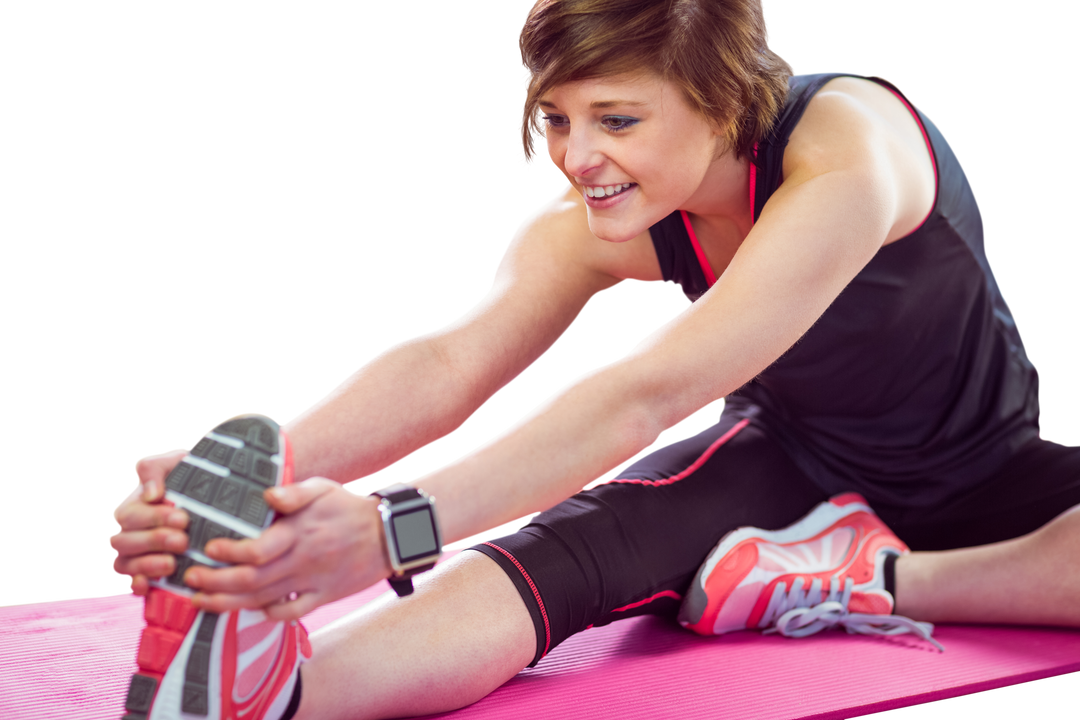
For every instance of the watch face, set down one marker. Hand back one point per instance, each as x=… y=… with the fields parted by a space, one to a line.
x=414 y=534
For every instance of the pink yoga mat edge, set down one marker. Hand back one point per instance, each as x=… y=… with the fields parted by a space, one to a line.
x=943 y=694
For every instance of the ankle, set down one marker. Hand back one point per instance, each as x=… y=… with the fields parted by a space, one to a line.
x=889 y=571
x=294 y=703
x=910 y=580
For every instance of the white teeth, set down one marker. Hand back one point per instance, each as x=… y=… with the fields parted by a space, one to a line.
x=606 y=190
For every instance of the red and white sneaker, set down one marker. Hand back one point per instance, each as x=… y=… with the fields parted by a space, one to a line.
x=826 y=570
x=237 y=665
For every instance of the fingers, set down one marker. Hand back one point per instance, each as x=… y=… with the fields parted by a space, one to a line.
x=290 y=498
x=277 y=609
x=276 y=602
x=272 y=595
x=131 y=497
x=248 y=559
x=146 y=551
x=150 y=566
x=275 y=541
x=149 y=530
x=153 y=471
x=153 y=566
x=240 y=579
x=136 y=514
x=293 y=609
x=140 y=585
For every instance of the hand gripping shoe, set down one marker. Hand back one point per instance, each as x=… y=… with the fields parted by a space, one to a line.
x=826 y=570
x=237 y=665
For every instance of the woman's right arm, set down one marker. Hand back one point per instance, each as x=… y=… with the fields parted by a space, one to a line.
x=423 y=389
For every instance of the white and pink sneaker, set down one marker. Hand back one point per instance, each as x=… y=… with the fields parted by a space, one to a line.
x=825 y=571
x=238 y=665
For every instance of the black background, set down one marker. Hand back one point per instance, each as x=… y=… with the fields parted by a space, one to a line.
x=232 y=214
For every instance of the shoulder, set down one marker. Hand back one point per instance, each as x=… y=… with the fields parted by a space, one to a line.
x=560 y=232
x=841 y=122
x=863 y=128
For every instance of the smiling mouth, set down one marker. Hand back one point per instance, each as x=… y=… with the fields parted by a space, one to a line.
x=602 y=191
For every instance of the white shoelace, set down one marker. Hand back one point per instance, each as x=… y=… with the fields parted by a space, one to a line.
x=792 y=614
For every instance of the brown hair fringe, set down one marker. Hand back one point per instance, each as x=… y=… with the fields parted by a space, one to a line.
x=715 y=50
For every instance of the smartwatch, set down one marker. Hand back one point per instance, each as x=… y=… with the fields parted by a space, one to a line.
x=412 y=533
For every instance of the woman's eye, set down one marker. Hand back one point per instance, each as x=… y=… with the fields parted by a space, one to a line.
x=615 y=123
x=556 y=121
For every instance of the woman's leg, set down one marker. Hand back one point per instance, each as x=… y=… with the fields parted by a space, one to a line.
x=622 y=549
x=464 y=632
x=1005 y=552
x=1030 y=580
x=626 y=547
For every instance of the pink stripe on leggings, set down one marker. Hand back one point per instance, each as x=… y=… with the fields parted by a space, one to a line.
x=662 y=594
x=693 y=466
x=536 y=594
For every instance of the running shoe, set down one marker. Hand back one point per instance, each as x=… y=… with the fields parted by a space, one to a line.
x=825 y=571
x=237 y=665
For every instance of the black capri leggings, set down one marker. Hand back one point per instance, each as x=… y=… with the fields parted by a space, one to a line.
x=631 y=546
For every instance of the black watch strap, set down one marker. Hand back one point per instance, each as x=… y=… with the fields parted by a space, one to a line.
x=403 y=583
x=397 y=493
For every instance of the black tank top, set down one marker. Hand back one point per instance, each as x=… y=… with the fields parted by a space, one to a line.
x=914 y=385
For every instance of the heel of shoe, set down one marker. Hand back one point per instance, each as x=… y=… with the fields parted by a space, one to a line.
x=169 y=617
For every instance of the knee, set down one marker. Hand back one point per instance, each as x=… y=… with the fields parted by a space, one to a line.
x=1064 y=529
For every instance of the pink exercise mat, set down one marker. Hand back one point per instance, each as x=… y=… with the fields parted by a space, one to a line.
x=74 y=659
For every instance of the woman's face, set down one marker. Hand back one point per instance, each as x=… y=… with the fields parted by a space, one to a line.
x=632 y=146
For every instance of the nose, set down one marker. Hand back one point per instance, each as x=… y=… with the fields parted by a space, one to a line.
x=583 y=154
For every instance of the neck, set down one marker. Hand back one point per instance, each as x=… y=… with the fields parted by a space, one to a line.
x=723 y=198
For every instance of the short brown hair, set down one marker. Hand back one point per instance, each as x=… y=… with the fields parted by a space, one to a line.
x=714 y=50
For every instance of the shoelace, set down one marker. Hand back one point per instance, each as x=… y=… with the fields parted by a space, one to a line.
x=791 y=613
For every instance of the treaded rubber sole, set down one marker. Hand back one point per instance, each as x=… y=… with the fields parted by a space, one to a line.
x=220 y=484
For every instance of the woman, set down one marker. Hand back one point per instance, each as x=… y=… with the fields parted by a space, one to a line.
x=844 y=308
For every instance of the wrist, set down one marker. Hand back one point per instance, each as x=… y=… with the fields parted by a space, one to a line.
x=411 y=536
x=375 y=533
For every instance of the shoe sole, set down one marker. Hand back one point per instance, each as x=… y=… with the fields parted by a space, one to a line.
x=220 y=484
x=820 y=518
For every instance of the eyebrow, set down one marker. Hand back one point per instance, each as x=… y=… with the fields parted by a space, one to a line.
x=598 y=104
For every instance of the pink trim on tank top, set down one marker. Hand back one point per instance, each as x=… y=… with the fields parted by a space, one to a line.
x=535 y=592
x=753 y=185
x=710 y=276
x=929 y=150
x=693 y=466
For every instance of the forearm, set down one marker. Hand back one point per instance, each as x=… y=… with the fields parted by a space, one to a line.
x=588 y=430
x=399 y=402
